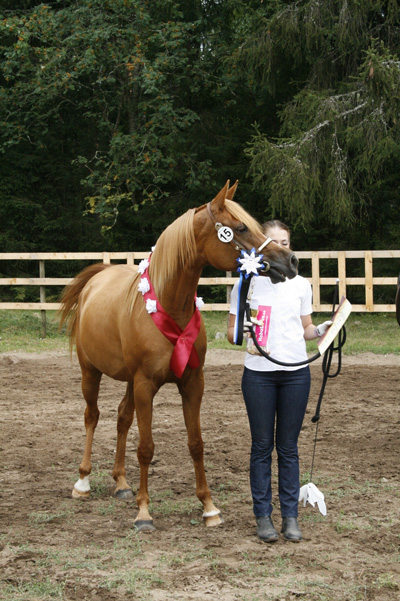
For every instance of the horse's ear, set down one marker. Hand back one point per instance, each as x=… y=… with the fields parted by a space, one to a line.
x=219 y=201
x=231 y=192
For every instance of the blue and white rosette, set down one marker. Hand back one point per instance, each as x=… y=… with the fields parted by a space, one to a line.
x=249 y=264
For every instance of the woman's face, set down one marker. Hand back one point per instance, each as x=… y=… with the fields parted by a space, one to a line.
x=279 y=236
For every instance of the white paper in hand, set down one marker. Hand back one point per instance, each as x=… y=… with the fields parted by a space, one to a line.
x=309 y=492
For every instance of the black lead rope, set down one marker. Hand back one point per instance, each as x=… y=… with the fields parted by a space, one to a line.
x=264 y=354
x=326 y=362
x=326 y=369
x=327 y=359
x=245 y=305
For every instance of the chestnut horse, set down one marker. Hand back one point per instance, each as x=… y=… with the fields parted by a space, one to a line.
x=115 y=332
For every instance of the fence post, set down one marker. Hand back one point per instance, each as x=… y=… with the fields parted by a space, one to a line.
x=369 y=282
x=342 y=274
x=315 y=280
x=42 y=298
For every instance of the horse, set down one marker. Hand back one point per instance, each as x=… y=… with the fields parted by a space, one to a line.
x=397 y=301
x=111 y=310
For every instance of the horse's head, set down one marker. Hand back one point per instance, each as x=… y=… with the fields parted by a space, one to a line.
x=223 y=229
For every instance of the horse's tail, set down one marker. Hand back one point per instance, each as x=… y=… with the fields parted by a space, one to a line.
x=70 y=299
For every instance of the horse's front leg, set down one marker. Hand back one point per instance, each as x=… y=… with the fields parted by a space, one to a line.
x=144 y=392
x=125 y=419
x=191 y=389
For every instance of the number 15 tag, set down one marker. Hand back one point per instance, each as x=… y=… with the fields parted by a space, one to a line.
x=225 y=234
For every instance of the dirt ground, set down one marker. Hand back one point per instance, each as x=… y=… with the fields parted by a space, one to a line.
x=89 y=550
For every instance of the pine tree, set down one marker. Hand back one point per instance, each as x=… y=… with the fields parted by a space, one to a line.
x=333 y=165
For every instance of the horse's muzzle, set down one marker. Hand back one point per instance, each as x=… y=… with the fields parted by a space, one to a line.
x=294 y=262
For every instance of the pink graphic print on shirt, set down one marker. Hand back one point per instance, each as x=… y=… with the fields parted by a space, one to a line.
x=264 y=315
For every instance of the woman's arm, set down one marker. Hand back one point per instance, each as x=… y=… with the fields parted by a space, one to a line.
x=310 y=331
x=231 y=327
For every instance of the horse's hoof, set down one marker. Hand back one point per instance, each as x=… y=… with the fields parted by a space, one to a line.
x=144 y=525
x=125 y=493
x=215 y=520
x=77 y=494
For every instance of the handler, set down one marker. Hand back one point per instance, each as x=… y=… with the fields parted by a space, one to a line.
x=274 y=393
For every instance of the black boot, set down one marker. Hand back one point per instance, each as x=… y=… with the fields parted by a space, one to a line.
x=291 y=530
x=265 y=529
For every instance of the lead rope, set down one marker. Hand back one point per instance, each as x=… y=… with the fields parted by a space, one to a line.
x=326 y=368
x=327 y=359
x=244 y=304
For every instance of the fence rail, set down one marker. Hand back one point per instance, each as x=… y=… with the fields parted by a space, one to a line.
x=367 y=281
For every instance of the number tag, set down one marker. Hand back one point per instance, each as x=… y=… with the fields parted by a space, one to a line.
x=225 y=234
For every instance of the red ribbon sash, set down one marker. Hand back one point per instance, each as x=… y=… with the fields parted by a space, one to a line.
x=184 y=352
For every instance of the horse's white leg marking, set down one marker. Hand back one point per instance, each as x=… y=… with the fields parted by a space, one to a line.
x=81 y=488
x=211 y=514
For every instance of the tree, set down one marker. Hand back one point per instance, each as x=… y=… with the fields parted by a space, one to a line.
x=105 y=85
x=132 y=111
x=332 y=166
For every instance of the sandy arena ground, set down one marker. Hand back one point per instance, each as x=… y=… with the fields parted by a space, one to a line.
x=46 y=536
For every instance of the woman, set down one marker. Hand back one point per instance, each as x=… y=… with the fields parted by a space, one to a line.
x=277 y=394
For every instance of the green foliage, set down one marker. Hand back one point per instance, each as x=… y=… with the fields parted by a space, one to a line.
x=112 y=88
x=339 y=135
x=119 y=115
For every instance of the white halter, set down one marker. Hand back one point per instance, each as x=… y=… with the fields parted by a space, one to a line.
x=264 y=244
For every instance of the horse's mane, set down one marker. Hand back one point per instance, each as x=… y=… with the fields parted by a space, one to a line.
x=240 y=214
x=176 y=247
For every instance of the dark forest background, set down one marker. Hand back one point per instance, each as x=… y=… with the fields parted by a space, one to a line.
x=118 y=115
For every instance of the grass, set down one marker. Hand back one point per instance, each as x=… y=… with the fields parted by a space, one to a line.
x=135 y=581
x=126 y=569
x=35 y=590
x=386 y=581
x=166 y=502
x=366 y=332
x=21 y=331
x=344 y=525
x=37 y=518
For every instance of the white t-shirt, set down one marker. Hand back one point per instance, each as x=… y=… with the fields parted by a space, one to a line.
x=286 y=301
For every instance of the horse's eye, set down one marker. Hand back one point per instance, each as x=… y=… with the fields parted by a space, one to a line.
x=241 y=229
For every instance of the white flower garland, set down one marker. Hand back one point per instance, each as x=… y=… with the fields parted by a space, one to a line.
x=151 y=306
x=144 y=287
x=199 y=303
x=143 y=265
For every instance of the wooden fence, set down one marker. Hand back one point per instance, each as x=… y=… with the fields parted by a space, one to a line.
x=314 y=259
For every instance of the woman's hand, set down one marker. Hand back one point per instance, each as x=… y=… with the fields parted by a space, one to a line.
x=322 y=327
x=310 y=330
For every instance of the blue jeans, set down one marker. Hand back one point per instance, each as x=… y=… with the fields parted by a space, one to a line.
x=283 y=394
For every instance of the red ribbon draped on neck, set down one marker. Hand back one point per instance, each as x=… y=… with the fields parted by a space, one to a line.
x=184 y=352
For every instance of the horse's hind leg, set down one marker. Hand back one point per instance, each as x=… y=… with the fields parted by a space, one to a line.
x=90 y=388
x=125 y=419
